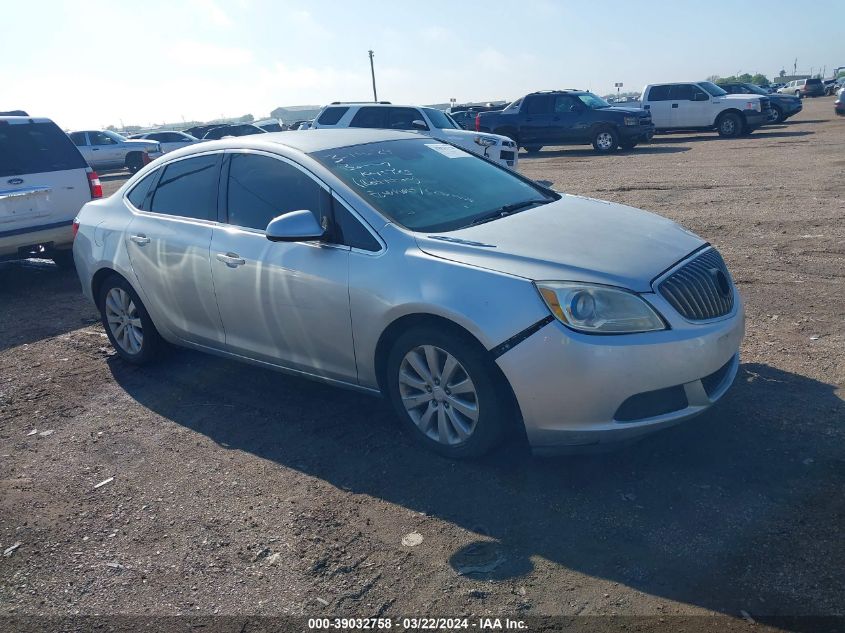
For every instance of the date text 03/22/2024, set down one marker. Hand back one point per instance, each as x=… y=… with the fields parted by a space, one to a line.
x=417 y=624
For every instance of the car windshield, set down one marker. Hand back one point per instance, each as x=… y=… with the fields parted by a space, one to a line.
x=592 y=101
x=428 y=186
x=115 y=136
x=439 y=119
x=712 y=88
x=756 y=89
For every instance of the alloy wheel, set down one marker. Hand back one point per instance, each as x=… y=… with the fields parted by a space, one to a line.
x=438 y=394
x=124 y=321
x=604 y=140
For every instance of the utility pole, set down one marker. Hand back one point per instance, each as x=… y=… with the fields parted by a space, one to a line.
x=795 y=67
x=373 y=73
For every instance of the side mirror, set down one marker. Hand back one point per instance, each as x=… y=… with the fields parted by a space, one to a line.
x=296 y=226
x=419 y=124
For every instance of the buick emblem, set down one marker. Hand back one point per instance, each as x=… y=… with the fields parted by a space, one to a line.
x=15 y=181
x=721 y=281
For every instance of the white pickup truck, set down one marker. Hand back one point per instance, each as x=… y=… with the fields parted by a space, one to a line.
x=702 y=105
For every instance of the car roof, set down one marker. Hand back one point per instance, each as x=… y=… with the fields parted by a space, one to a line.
x=19 y=120
x=306 y=141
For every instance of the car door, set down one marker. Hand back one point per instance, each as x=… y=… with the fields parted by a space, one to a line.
x=285 y=303
x=536 y=124
x=80 y=139
x=570 y=121
x=690 y=106
x=106 y=151
x=657 y=103
x=168 y=241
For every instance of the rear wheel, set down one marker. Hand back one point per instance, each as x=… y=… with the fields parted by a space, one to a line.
x=606 y=140
x=127 y=322
x=134 y=161
x=626 y=145
x=447 y=392
x=729 y=125
x=63 y=259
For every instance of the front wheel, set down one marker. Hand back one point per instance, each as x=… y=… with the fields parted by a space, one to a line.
x=777 y=115
x=729 y=125
x=605 y=140
x=446 y=392
x=127 y=322
x=798 y=93
x=533 y=149
x=134 y=162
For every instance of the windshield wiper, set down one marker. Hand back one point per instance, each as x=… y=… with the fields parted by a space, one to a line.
x=507 y=210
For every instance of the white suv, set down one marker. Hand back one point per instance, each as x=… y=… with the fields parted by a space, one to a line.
x=428 y=121
x=44 y=181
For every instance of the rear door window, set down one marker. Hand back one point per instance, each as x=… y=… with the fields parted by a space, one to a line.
x=78 y=139
x=188 y=188
x=370 y=118
x=538 y=104
x=33 y=148
x=659 y=93
x=331 y=116
x=681 y=92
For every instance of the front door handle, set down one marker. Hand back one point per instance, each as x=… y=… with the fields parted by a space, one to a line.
x=140 y=239
x=232 y=260
x=674 y=105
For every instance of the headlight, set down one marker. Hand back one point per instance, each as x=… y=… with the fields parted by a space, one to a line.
x=486 y=141
x=599 y=309
x=632 y=120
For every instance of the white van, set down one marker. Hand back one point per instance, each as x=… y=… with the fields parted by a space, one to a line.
x=44 y=181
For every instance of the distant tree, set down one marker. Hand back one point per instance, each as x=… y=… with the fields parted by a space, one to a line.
x=714 y=79
x=247 y=118
x=760 y=79
x=782 y=73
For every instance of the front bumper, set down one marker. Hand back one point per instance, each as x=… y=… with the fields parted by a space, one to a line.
x=505 y=153
x=578 y=390
x=636 y=133
x=754 y=119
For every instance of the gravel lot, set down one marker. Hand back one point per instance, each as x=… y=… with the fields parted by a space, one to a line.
x=233 y=490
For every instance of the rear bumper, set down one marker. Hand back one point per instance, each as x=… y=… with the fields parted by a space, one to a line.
x=580 y=390
x=56 y=236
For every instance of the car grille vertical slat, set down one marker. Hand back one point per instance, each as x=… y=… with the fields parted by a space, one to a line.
x=701 y=289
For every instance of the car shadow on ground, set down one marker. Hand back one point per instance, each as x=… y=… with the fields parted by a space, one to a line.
x=761 y=133
x=640 y=149
x=25 y=321
x=740 y=509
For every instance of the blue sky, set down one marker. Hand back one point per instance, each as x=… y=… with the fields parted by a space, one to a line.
x=99 y=62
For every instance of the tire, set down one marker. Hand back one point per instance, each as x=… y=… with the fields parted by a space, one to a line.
x=120 y=305
x=134 y=162
x=435 y=416
x=798 y=93
x=777 y=115
x=63 y=259
x=605 y=140
x=627 y=145
x=533 y=149
x=729 y=125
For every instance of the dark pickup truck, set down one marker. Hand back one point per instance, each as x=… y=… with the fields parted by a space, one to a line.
x=568 y=117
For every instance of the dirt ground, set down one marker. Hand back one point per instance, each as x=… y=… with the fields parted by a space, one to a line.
x=238 y=491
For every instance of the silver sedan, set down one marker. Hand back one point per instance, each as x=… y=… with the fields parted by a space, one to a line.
x=477 y=301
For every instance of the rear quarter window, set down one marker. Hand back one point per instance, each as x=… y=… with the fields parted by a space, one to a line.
x=331 y=116
x=35 y=148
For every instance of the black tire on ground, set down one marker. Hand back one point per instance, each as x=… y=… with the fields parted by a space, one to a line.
x=729 y=125
x=605 y=140
x=626 y=145
x=134 y=161
x=151 y=344
x=533 y=149
x=798 y=93
x=493 y=402
x=777 y=113
x=63 y=259
x=747 y=130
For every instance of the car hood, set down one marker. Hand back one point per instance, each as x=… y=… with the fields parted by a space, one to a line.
x=742 y=97
x=571 y=239
x=141 y=143
x=625 y=110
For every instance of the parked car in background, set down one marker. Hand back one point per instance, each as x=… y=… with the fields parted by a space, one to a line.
x=44 y=181
x=104 y=149
x=783 y=106
x=199 y=131
x=703 y=105
x=477 y=301
x=464 y=118
x=839 y=104
x=801 y=88
x=271 y=125
x=303 y=125
x=568 y=117
x=169 y=140
x=429 y=122
x=237 y=129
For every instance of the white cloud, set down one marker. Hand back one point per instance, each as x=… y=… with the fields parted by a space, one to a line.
x=212 y=11
x=194 y=53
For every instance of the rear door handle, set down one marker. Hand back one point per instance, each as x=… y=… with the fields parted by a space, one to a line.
x=231 y=259
x=140 y=239
x=674 y=105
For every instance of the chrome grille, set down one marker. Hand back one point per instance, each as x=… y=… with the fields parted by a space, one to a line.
x=701 y=289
